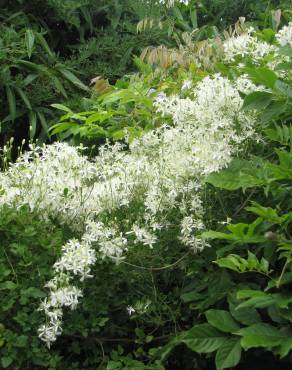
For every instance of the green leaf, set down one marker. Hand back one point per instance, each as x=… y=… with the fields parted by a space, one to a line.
x=11 y=102
x=6 y=361
x=286 y=66
x=263 y=76
x=10 y=285
x=204 y=338
x=58 y=85
x=257 y=100
x=283 y=88
x=32 y=124
x=246 y=316
x=229 y=354
x=222 y=320
x=43 y=122
x=285 y=347
x=29 y=41
x=281 y=134
x=72 y=78
x=267 y=213
x=230 y=262
x=21 y=341
x=255 y=299
x=62 y=107
x=191 y=296
x=64 y=126
x=273 y=111
x=239 y=174
x=24 y=97
x=41 y=40
x=285 y=50
x=262 y=335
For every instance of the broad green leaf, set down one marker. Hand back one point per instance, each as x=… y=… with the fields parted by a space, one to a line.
x=98 y=117
x=285 y=50
x=239 y=174
x=230 y=262
x=191 y=296
x=217 y=235
x=246 y=316
x=229 y=354
x=263 y=76
x=29 y=41
x=286 y=66
x=10 y=285
x=62 y=127
x=273 y=111
x=285 y=347
x=283 y=88
x=222 y=320
x=267 y=213
x=257 y=100
x=6 y=361
x=204 y=338
x=262 y=335
x=255 y=299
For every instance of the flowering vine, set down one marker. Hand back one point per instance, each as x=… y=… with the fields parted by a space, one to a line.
x=127 y=198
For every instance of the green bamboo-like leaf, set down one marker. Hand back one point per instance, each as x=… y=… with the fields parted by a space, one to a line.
x=222 y=320
x=62 y=107
x=11 y=102
x=29 y=41
x=58 y=85
x=32 y=124
x=40 y=68
x=229 y=354
x=72 y=78
x=24 y=97
x=42 y=41
x=43 y=122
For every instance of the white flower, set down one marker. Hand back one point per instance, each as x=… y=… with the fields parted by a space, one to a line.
x=284 y=36
x=130 y=310
x=187 y=84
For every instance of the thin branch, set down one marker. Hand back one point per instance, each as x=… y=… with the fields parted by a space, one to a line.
x=157 y=268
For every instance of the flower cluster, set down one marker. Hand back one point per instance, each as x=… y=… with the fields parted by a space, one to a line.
x=127 y=199
x=171 y=3
x=246 y=45
x=284 y=36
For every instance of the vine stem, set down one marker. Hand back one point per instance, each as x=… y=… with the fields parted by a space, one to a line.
x=283 y=271
x=157 y=268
